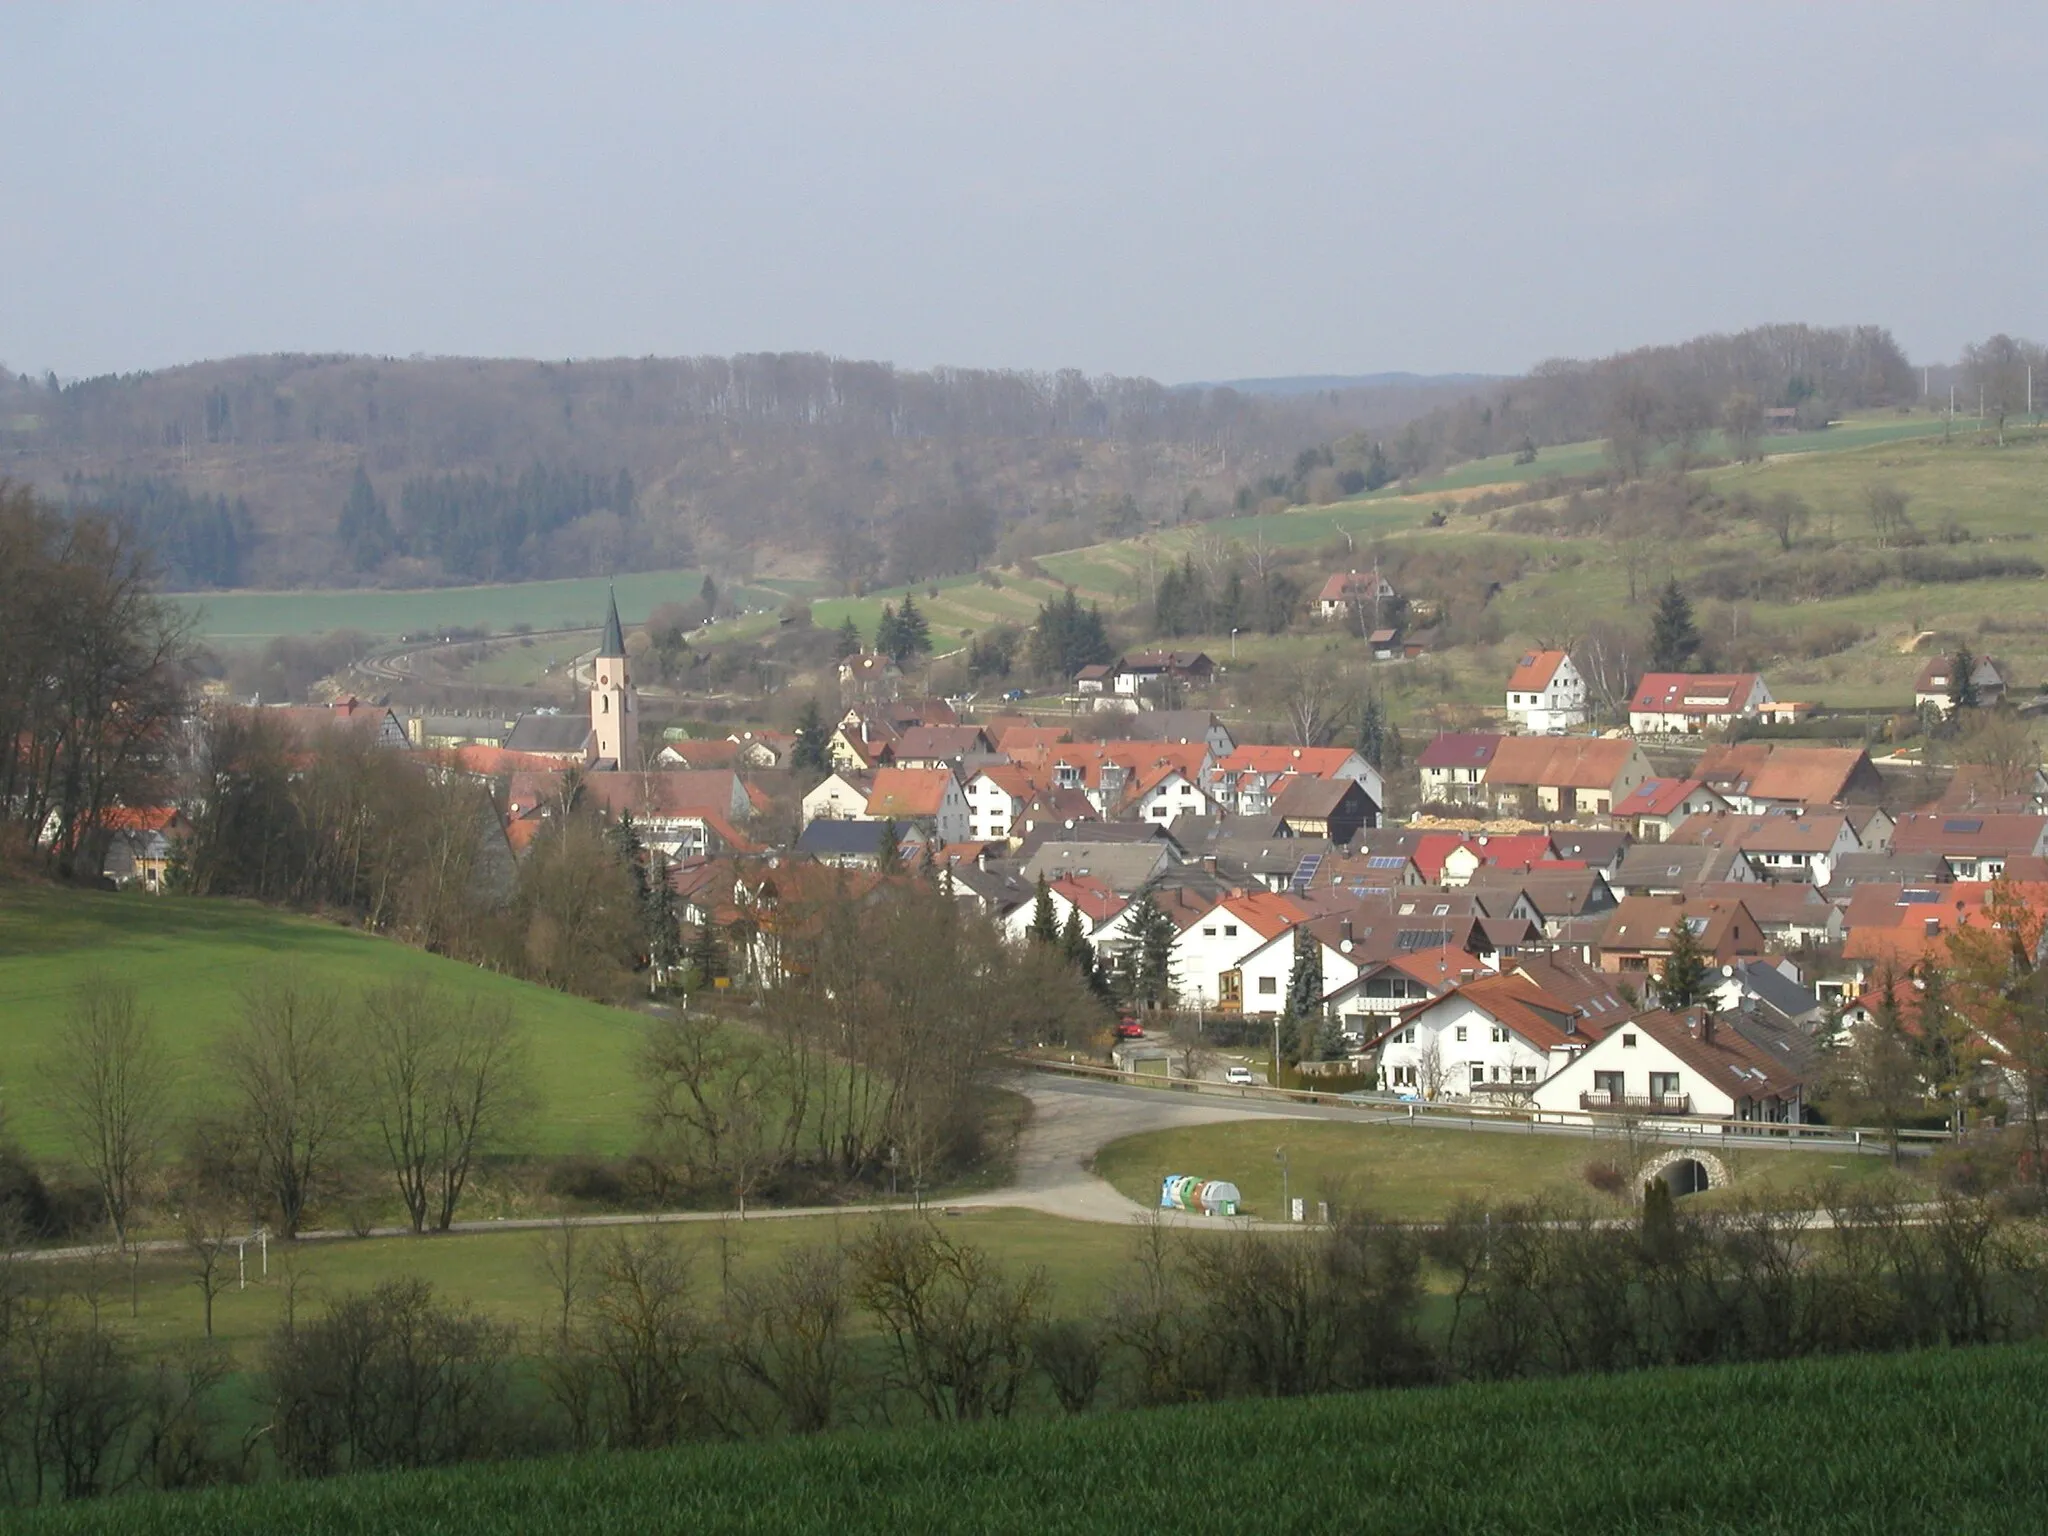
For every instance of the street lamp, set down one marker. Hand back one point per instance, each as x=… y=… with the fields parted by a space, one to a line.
x=1233 y=645
x=1286 y=1205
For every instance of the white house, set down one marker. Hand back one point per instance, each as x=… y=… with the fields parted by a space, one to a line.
x=1166 y=794
x=1656 y=808
x=1209 y=954
x=1546 y=694
x=1098 y=905
x=1684 y=1064
x=1493 y=1036
x=1352 y=591
x=996 y=797
x=1686 y=703
x=1246 y=780
x=841 y=796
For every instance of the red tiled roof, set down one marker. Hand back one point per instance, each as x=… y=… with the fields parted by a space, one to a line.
x=1454 y=749
x=1667 y=693
x=1534 y=671
x=908 y=792
x=1658 y=797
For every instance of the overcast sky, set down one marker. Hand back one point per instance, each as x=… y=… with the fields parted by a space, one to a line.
x=1186 y=191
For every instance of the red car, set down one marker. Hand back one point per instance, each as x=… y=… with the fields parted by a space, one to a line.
x=1129 y=1029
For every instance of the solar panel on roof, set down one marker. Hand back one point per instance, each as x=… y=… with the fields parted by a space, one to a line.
x=1918 y=897
x=1385 y=861
x=1963 y=824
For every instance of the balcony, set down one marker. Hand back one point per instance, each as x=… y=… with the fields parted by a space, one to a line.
x=1619 y=1104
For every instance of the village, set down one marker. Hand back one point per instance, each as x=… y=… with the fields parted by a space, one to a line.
x=1558 y=927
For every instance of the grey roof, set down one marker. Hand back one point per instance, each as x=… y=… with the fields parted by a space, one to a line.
x=827 y=838
x=614 y=642
x=1671 y=866
x=1779 y=991
x=1123 y=867
x=1594 y=846
x=1249 y=852
x=1854 y=869
x=1789 y=1046
x=489 y=729
x=1175 y=725
x=548 y=733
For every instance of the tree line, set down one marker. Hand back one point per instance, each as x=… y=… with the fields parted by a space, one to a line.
x=197 y=540
x=642 y=1347
x=487 y=527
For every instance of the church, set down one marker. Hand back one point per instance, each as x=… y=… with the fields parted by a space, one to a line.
x=610 y=738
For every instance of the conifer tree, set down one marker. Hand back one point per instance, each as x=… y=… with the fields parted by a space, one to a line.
x=1074 y=943
x=889 y=848
x=849 y=642
x=1674 y=639
x=913 y=633
x=1305 y=980
x=1149 y=968
x=888 y=636
x=1962 y=683
x=661 y=920
x=811 y=754
x=1372 y=732
x=1045 y=927
x=706 y=957
x=1684 y=980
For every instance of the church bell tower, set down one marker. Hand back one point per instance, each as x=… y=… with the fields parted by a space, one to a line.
x=614 y=712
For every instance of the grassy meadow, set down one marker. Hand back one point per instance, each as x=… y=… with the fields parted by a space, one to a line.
x=1945 y=1441
x=1420 y=1173
x=190 y=958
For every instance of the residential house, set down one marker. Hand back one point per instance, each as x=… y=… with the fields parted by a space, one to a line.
x=1211 y=950
x=1686 y=703
x=1781 y=846
x=841 y=795
x=1656 y=808
x=682 y=814
x=1351 y=593
x=853 y=844
x=1679 y=1064
x=1935 y=687
x=1667 y=869
x=1549 y=895
x=1334 y=810
x=939 y=746
x=1506 y=851
x=714 y=752
x=142 y=842
x=434 y=731
x=1148 y=670
x=1125 y=868
x=2015 y=786
x=1546 y=694
x=929 y=797
x=350 y=714
x=1491 y=1037
x=865 y=675
x=1756 y=776
x=1885 y=867
x=1600 y=848
x=1792 y=915
x=1380 y=990
x=996 y=796
x=1973 y=847
x=1096 y=677
x=1248 y=780
x=1638 y=938
x=1454 y=768
x=1185 y=727
x=763 y=749
x=1760 y=988
x=1094 y=900
x=1565 y=775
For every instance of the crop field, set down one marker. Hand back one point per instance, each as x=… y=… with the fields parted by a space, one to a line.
x=251 y=618
x=189 y=958
x=1945 y=1441
x=1418 y=1174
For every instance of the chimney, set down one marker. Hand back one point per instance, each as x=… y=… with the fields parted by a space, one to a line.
x=1209 y=863
x=1347 y=930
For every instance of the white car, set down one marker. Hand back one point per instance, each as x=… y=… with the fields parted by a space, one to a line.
x=1240 y=1076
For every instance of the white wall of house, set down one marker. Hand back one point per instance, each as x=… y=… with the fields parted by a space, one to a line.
x=1636 y=1058
x=1679 y=722
x=1170 y=799
x=1454 y=786
x=1219 y=942
x=1454 y=1049
x=1554 y=710
x=992 y=811
x=834 y=800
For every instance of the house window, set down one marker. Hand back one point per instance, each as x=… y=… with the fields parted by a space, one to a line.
x=1500 y=1034
x=1401 y=1077
x=1230 y=930
x=1209 y=932
x=1663 y=1085
x=1608 y=1085
x=1461 y=1033
x=1478 y=1074
x=1268 y=985
x=1628 y=1042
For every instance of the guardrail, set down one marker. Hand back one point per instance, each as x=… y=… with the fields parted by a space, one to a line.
x=1471 y=1116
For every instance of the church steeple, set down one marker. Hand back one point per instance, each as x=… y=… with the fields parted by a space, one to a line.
x=614 y=711
x=614 y=643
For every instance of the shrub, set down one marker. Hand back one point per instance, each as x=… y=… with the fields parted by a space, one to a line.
x=1605 y=1175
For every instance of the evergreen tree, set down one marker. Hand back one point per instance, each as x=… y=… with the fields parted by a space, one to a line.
x=1045 y=927
x=889 y=848
x=1685 y=977
x=706 y=958
x=1330 y=1039
x=1674 y=639
x=1962 y=683
x=1067 y=638
x=1305 y=981
x=848 y=643
x=1372 y=732
x=1943 y=1042
x=662 y=920
x=708 y=594
x=888 y=635
x=1075 y=946
x=812 y=752
x=365 y=529
x=913 y=633
x=1659 y=1234
x=1149 y=964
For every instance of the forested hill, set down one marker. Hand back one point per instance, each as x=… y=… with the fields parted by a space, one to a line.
x=294 y=470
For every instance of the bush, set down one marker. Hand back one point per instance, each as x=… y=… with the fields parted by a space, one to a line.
x=1605 y=1175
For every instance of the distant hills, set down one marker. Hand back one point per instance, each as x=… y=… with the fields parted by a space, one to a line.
x=1322 y=383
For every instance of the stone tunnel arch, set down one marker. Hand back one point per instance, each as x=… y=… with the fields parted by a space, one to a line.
x=1688 y=1170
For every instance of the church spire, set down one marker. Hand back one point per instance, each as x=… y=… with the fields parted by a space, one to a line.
x=614 y=643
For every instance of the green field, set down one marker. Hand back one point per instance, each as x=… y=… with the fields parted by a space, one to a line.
x=500 y=1273
x=246 y=618
x=1946 y=1442
x=189 y=958
x=1418 y=1174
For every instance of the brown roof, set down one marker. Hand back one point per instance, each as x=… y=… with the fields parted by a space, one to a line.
x=1644 y=923
x=908 y=792
x=1802 y=775
x=1762 y=834
x=1719 y=1053
x=1569 y=762
x=1535 y=670
x=1974 y=833
x=1311 y=799
x=926 y=743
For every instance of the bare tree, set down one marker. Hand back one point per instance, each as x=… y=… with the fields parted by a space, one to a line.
x=1784 y=515
x=718 y=1100
x=788 y=1336
x=2005 y=749
x=1885 y=505
x=110 y=1083
x=297 y=1087
x=209 y=1227
x=446 y=1079
x=1742 y=425
x=1313 y=694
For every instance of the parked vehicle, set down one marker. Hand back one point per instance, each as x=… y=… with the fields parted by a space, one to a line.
x=1240 y=1076
x=1129 y=1029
